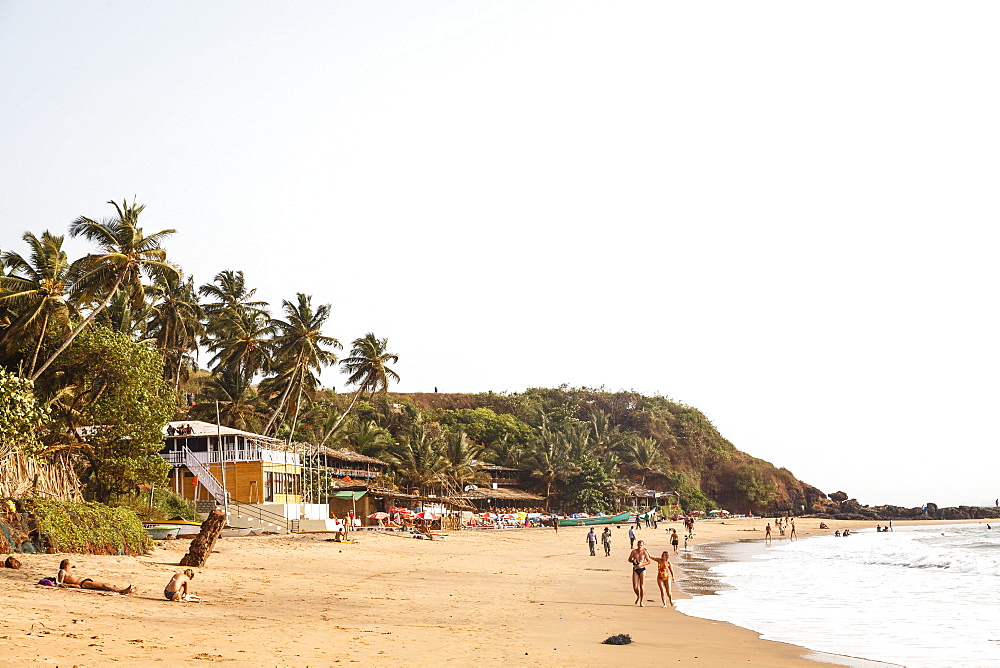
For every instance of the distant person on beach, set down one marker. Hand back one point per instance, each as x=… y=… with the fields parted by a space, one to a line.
x=639 y=559
x=638 y=521
x=664 y=574
x=837 y=533
x=791 y=534
x=767 y=533
x=592 y=542
x=606 y=541
x=674 y=540
x=177 y=588
x=67 y=578
x=631 y=538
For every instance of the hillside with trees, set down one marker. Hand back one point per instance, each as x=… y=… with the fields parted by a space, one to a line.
x=100 y=351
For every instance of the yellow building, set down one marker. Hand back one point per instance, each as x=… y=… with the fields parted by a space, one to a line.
x=208 y=459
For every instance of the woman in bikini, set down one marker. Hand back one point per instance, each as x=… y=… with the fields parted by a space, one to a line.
x=664 y=573
x=639 y=559
x=177 y=588
x=67 y=578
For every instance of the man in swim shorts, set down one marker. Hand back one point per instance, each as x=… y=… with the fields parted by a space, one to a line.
x=639 y=559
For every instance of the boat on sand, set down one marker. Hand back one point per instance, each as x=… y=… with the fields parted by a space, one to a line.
x=621 y=518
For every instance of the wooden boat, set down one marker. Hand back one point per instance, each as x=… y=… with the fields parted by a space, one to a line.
x=621 y=518
x=161 y=531
x=234 y=532
x=185 y=529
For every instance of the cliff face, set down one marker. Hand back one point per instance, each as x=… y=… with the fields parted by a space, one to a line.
x=708 y=470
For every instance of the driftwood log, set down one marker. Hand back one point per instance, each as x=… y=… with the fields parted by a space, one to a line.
x=204 y=542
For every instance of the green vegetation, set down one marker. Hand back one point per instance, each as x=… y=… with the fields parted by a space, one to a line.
x=111 y=340
x=86 y=528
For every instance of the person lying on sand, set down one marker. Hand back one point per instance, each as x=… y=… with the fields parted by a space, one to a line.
x=177 y=588
x=67 y=578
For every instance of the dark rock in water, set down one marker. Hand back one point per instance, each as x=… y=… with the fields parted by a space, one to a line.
x=11 y=562
x=620 y=639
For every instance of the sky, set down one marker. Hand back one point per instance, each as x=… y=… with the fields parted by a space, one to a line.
x=782 y=213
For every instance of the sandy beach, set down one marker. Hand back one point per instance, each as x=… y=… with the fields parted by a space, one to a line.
x=525 y=597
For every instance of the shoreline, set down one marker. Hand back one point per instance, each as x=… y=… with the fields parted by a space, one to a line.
x=524 y=597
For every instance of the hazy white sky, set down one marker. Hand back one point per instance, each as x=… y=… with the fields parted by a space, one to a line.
x=781 y=213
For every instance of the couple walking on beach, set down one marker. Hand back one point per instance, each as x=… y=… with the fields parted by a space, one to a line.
x=605 y=541
x=640 y=558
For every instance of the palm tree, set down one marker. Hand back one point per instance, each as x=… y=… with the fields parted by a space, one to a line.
x=37 y=288
x=462 y=455
x=367 y=438
x=298 y=348
x=644 y=456
x=506 y=452
x=418 y=458
x=549 y=459
x=229 y=291
x=368 y=367
x=240 y=339
x=176 y=325
x=124 y=254
x=236 y=400
x=124 y=316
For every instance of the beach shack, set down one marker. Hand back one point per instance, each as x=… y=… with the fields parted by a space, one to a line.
x=501 y=498
x=208 y=458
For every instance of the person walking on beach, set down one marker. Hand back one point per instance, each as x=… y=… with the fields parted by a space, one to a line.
x=638 y=521
x=639 y=559
x=791 y=533
x=606 y=541
x=631 y=538
x=767 y=533
x=592 y=542
x=674 y=540
x=664 y=574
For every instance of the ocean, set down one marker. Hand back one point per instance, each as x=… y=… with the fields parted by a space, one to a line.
x=916 y=596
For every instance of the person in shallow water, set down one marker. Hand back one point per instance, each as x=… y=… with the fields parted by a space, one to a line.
x=639 y=559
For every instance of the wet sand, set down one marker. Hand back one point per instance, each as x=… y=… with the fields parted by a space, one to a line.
x=524 y=597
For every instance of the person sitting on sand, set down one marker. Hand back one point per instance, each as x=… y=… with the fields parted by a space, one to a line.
x=664 y=573
x=837 y=533
x=639 y=559
x=67 y=578
x=177 y=588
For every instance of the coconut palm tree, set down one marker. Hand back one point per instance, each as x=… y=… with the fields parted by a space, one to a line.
x=368 y=367
x=124 y=254
x=418 y=459
x=36 y=289
x=643 y=455
x=298 y=349
x=462 y=455
x=237 y=401
x=229 y=291
x=367 y=438
x=176 y=325
x=549 y=461
x=240 y=339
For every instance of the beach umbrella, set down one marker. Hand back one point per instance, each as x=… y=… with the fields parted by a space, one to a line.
x=486 y=515
x=508 y=516
x=379 y=516
x=696 y=512
x=426 y=516
x=399 y=510
x=713 y=512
